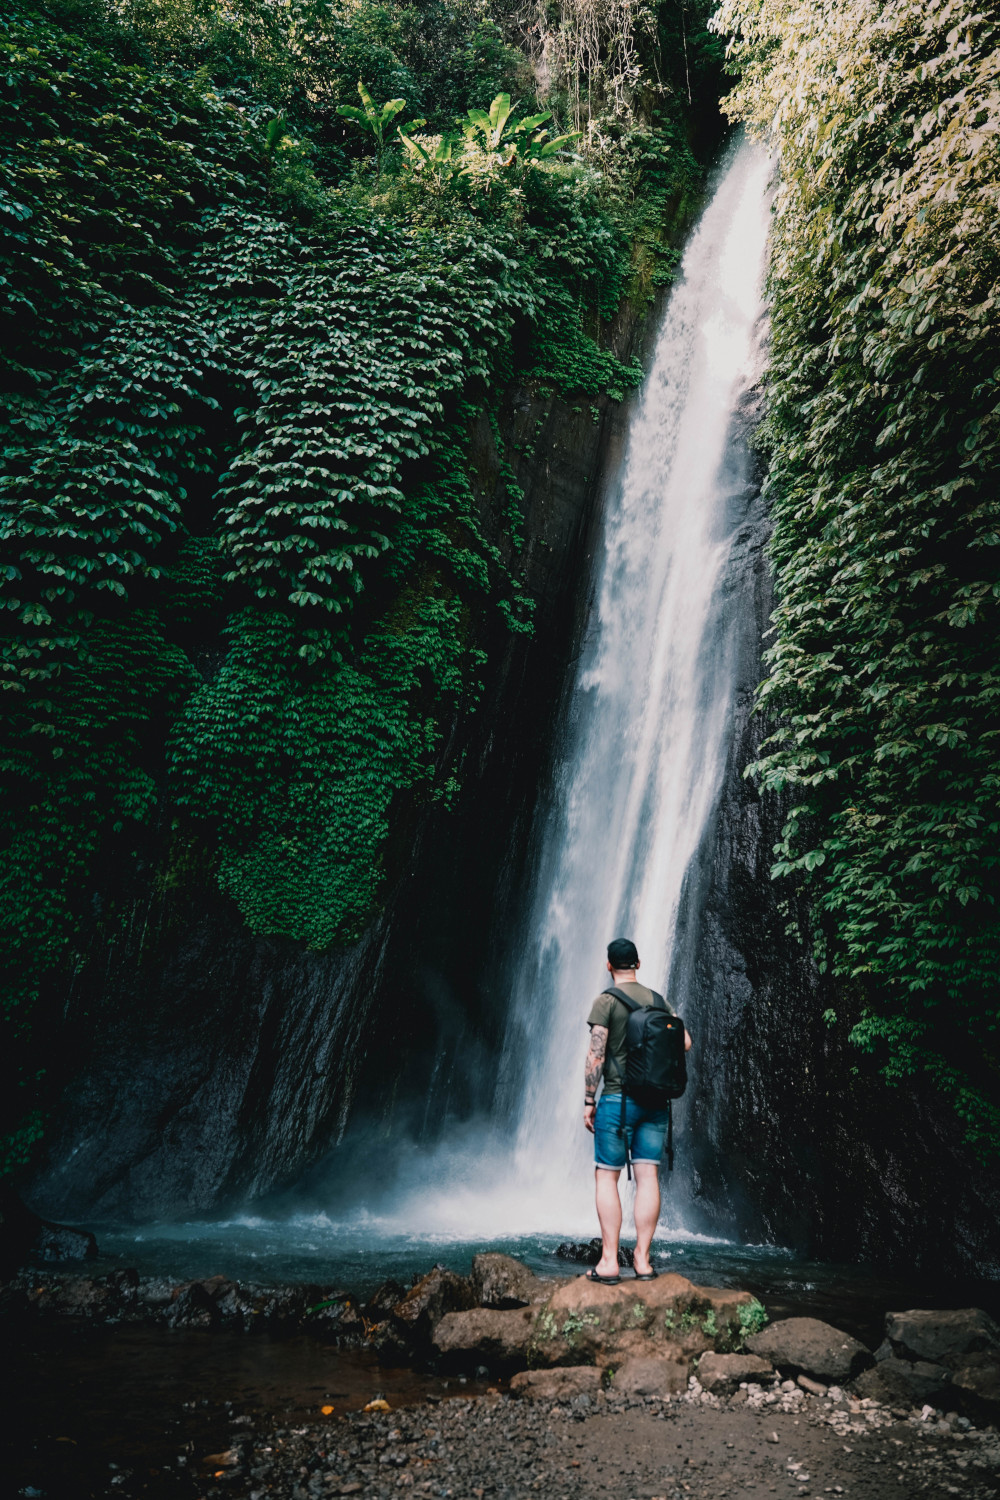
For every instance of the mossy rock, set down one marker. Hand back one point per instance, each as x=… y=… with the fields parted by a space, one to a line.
x=586 y=1323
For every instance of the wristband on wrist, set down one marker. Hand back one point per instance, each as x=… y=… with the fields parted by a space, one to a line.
x=589 y=1099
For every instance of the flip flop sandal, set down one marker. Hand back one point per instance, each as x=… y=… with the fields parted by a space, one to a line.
x=604 y=1280
x=646 y=1275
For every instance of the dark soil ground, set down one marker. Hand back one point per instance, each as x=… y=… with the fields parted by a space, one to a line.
x=159 y=1414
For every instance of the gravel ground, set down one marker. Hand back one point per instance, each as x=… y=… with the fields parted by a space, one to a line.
x=497 y=1447
x=154 y=1414
x=681 y=1449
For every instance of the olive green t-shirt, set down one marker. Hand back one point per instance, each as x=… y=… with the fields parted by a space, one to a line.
x=609 y=1012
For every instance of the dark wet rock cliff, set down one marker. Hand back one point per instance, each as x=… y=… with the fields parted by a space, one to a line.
x=794 y=1137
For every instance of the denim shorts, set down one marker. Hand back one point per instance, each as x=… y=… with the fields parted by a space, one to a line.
x=645 y=1129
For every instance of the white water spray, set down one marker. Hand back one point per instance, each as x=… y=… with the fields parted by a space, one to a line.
x=642 y=751
x=648 y=729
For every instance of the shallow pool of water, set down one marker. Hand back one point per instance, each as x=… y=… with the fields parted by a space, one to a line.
x=143 y=1407
x=358 y=1256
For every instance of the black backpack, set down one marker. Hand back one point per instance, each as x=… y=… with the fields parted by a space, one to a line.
x=655 y=1062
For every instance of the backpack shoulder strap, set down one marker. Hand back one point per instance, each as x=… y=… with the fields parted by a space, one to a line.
x=626 y=1000
x=658 y=1001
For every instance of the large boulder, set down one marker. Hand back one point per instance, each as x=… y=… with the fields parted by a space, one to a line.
x=650 y=1377
x=724 y=1373
x=55 y=1244
x=811 y=1346
x=438 y=1293
x=900 y=1382
x=943 y=1337
x=557 y=1385
x=501 y=1281
x=495 y=1337
x=25 y=1237
x=406 y=1333
x=584 y=1322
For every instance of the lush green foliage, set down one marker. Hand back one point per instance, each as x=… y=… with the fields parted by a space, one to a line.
x=884 y=479
x=245 y=583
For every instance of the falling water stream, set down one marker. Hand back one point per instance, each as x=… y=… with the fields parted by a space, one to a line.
x=649 y=719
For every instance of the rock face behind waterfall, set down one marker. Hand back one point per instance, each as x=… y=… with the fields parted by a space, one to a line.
x=789 y=1135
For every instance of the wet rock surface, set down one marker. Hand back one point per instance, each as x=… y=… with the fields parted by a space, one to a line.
x=502 y=1282
x=214 y=1302
x=496 y=1338
x=933 y=1355
x=896 y=1380
x=943 y=1337
x=814 y=1347
x=979 y=1378
x=437 y=1293
x=24 y=1236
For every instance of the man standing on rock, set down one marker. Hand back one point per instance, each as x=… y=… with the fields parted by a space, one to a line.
x=644 y=1128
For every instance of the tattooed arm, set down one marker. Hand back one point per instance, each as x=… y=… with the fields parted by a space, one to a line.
x=593 y=1069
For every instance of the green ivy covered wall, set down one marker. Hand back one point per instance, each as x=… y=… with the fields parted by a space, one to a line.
x=247 y=587
x=883 y=444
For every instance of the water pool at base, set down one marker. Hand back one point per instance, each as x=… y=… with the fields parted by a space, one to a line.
x=312 y=1248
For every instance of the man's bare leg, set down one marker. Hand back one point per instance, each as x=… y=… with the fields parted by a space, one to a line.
x=647 y=1211
x=609 y=1214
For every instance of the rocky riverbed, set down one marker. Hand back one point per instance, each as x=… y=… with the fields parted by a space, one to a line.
x=766 y=1438
x=498 y=1383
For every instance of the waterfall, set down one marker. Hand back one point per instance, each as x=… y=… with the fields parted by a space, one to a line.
x=647 y=730
x=649 y=713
